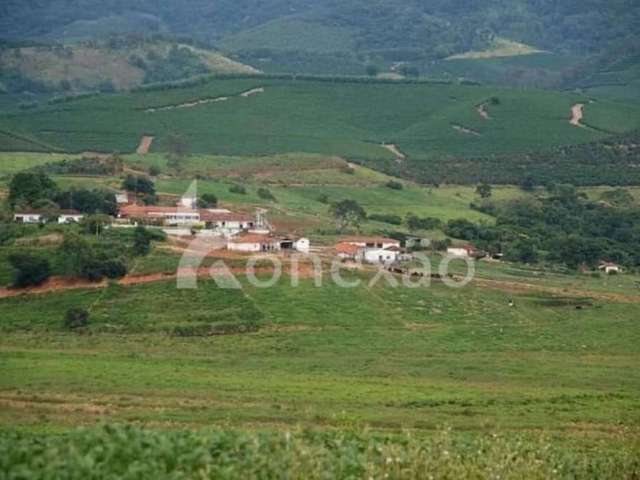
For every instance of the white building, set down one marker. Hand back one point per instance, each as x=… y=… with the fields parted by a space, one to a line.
x=610 y=268
x=252 y=242
x=226 y=222
x=302 y=245
x=385 y=256
x=28 y=217
x=70 y=216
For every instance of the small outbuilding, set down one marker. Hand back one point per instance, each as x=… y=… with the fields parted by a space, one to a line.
x=70 y=216
x=610 y=268
x=28 y=217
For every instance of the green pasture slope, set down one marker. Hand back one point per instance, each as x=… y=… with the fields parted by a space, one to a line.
x=557 y=384
x=388 y=358
x=344 y=118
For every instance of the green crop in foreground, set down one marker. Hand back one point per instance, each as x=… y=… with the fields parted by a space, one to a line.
x=130 y=453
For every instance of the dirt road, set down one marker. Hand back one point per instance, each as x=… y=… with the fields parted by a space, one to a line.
x=145 y=145
x=400 y=157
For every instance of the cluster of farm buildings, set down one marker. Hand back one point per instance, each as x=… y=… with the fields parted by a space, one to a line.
x=252 y=233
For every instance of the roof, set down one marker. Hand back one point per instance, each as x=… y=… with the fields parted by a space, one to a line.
x=253 y=238
x=608 y=264
x=347 y=248
x=70 y=212
x=218 y=216
x=370 y=240
x=142 y=210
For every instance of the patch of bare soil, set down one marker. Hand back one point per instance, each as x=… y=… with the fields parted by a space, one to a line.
x=54 y=284
x=52 y=405
x=483 y=112
x=145 y=145
x=465 y=130
x=518 y=287
x=400 y=157
x=577 y=114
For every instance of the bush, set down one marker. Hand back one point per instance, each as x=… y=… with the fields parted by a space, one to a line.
x=76 y=318
x=139 y=184
x=141 y=241
x=155 y=170
x=393 y=185
x=238 y=189
x=266 y=194
x=208 y=200
x=29 y=270
x=323 y=198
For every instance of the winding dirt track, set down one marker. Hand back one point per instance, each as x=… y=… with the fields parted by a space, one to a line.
x=400 y=157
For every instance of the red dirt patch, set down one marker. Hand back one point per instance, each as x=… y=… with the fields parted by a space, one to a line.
x=145 y=145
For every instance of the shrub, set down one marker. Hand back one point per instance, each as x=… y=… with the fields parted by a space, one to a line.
x=76 y=318
x=393 y=185
x=30 y=270
x=208 y=200
x=266 y=194
x=141 y=241
x=139 y=184
x=155 y=170
x=348 y=212
x=238 y=189
x=323 y=198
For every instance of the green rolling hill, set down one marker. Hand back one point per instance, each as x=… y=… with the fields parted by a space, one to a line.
x=431 y=125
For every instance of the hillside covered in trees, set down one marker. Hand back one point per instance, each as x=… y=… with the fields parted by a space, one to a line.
x=400 y=30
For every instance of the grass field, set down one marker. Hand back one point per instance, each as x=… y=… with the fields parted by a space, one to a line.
x=388 y=358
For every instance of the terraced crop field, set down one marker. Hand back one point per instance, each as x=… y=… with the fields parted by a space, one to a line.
x=337 y=118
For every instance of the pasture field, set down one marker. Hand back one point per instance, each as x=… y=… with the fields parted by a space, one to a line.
x=387 y=358
x=331 y=118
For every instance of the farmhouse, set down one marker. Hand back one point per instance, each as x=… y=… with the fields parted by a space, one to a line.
x=252 y=242
x=384 y=256
x=69 y=216
x=28 y=217
x=375 y=250
x=226 y=222
x=172 y=216
x=610 y=268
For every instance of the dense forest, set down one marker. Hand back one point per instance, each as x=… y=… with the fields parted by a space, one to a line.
x=401 y=28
